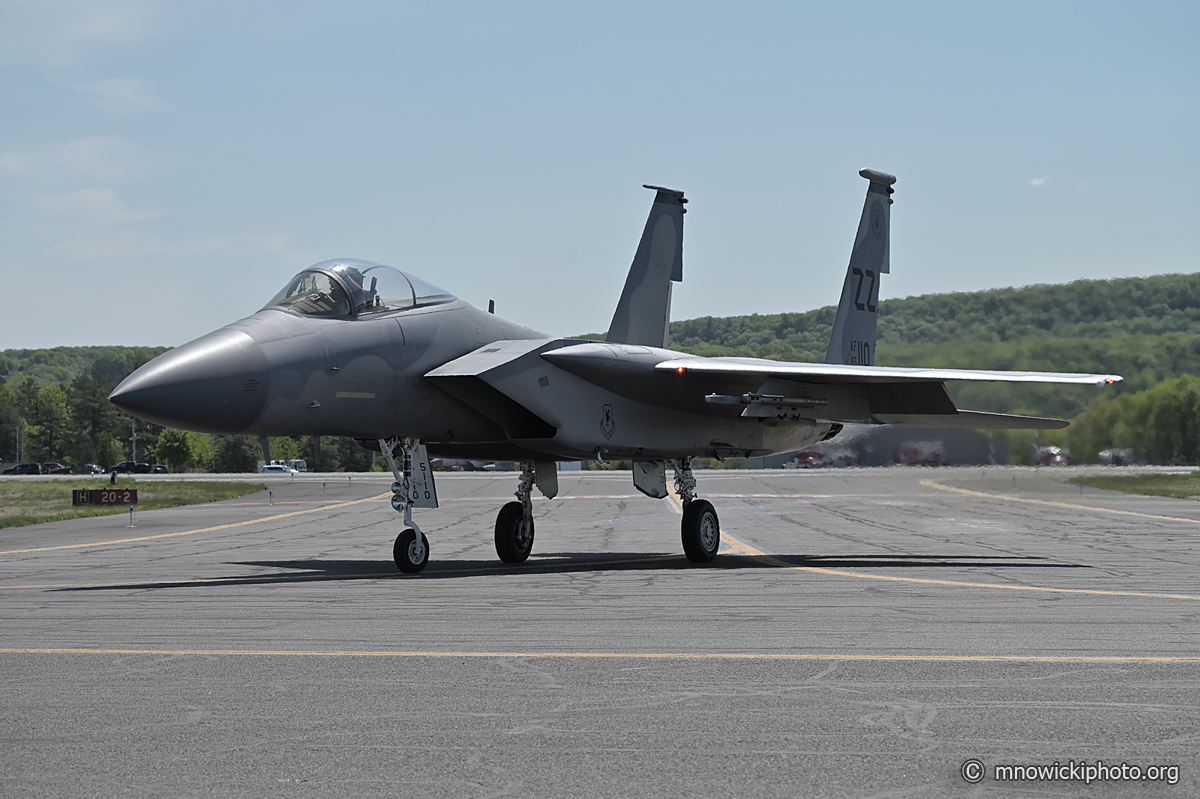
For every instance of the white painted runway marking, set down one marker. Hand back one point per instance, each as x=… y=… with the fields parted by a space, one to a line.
x=613 y=655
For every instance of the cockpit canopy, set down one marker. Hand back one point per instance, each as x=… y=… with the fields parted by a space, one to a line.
x=348 y=286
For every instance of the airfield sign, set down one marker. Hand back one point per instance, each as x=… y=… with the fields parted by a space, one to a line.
x=104 y=496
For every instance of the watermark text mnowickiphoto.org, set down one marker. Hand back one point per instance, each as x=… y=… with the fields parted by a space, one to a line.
x=974 y=771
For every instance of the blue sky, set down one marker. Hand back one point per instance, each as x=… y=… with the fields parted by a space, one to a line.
x=166 y=167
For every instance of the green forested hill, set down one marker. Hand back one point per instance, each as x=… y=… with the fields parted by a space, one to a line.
x=1145 y=329
x=60 y=365
x=1085 y=309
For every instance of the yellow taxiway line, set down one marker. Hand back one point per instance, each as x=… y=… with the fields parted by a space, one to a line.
x=613 y=655
x=738 y=547
x=1053 y=504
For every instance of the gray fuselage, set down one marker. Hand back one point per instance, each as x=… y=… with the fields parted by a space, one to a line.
x=283 y=373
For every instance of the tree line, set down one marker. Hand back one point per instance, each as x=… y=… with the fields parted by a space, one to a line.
x=60 y=365
x=1084 y=309
x=75 y=424
x=1144 y=329
x=1161 y=425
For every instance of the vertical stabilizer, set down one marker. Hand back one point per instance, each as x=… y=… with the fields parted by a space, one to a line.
x=853 y=339
x=644 y=312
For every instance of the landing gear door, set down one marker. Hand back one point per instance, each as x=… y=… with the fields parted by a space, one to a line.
x=650 y=477
x=422 y=478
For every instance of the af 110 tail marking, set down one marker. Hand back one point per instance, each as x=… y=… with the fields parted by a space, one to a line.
x=853 y=338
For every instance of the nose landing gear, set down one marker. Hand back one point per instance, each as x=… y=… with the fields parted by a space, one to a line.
x=411 y=550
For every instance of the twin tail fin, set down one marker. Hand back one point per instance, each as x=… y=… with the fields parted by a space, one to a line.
x=643 y=315
x=853 y=338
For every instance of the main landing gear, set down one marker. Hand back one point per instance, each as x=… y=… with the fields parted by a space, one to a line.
x=701 y=530
x=411 y=550
x=514 y=524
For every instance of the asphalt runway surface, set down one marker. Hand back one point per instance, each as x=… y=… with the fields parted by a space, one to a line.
x=864 y=632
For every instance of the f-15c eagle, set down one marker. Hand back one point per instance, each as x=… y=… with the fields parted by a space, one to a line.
x=355 y=348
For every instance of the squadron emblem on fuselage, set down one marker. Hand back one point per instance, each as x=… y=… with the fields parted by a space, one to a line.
x=608 y=425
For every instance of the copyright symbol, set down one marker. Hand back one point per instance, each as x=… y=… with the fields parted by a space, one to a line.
x=973 y=770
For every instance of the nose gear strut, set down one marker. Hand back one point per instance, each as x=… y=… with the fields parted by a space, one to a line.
x=411 y=550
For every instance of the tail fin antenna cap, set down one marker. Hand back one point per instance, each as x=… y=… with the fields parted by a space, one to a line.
x=875 y=176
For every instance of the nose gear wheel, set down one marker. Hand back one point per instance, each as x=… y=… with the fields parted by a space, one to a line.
x=411 y=551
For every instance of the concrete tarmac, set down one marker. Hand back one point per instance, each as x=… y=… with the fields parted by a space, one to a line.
x=864 y=632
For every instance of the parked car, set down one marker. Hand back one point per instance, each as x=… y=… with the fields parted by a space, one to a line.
x=277 y=468
x=87 y=468
x=24 y=468
x=1052 y=456
x=919 y=453
x=158 y=468
x=55 y=468
x=130 y=467
x=809 y=459
x=1119 y=456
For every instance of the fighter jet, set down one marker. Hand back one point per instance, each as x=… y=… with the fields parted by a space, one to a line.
x=355 y=348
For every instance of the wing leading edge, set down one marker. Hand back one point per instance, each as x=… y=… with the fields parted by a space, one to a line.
x=847 y=373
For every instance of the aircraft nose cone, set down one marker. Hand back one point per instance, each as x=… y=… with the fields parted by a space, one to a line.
x=215 y=384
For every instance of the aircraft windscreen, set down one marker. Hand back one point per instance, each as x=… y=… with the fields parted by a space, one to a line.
x=313 y=293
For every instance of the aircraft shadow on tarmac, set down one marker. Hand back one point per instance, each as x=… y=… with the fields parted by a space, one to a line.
x=317 y=570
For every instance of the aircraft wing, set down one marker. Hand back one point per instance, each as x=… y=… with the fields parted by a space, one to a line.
x=823 y=392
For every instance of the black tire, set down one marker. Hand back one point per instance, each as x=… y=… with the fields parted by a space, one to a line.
x=513 y=541
x=410 y=556
x=701 y=531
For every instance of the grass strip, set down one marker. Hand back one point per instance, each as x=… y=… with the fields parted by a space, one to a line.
x=1181 y=486
x=35 y=501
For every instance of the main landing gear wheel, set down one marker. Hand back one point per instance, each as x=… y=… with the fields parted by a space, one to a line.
x=411 y=551
x=701 y=531
x=514 y=534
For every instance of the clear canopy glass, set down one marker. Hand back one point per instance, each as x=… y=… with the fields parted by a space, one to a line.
x=346 y=286
x=313 y=293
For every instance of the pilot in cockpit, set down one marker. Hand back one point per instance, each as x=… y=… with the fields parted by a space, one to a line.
x=364 y=298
